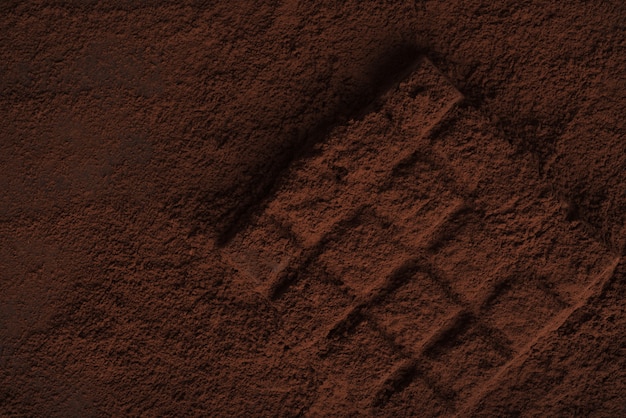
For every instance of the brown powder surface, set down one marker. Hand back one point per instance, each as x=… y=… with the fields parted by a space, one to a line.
x=283 y=208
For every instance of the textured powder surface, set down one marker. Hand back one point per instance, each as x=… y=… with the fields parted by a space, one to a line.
x=283 y=208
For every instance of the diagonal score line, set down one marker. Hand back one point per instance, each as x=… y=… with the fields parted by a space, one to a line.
x=601 y=282
x=234 y=250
